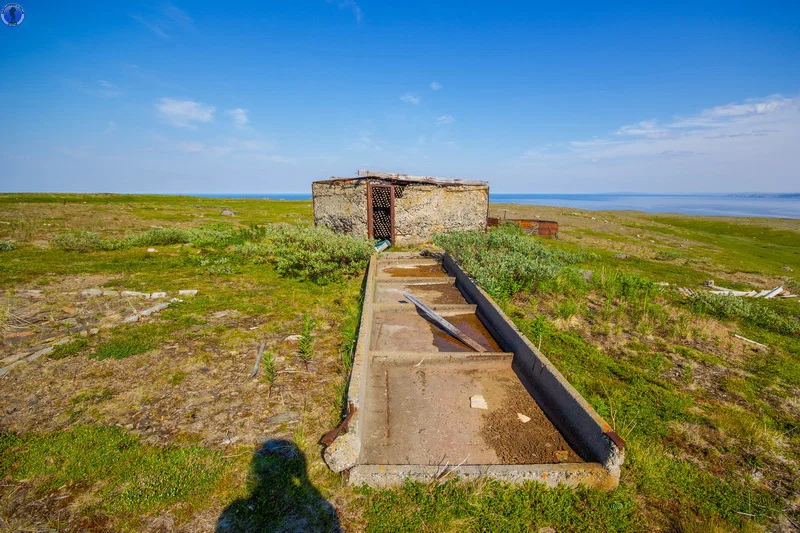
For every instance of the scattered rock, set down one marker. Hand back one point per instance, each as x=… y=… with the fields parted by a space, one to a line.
x=158 y=295
x=522 y=418
x=134 y=293
x=228 y=212
x=151 y=250
x=787 y=268
x=282 y=418
x=91 y=292
x=292 y=338
x=283 y=448
x=187 y=292
x=708 y=283
x=110 y=293
x=478 y=402
x=621 y=256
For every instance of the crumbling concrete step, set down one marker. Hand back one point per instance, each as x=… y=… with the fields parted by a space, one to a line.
x=416 y=261
x=418 y=359
x=442 y=309
x=417 y=281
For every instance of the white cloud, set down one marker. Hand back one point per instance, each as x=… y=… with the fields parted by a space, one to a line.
x=184 y=113
x=445 y=119
x=435 y=85
x=164 y=21
x=740 y=146
x=107 y=85
x=239 y=117
x=410 y=98
x=352 y=6
x=645 y=128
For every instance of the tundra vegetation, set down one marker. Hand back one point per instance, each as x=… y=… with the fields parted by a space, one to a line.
x=157 y=424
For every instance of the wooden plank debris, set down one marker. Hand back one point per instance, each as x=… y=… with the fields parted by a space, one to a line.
x=445 y=325
x=258 y=360
x=750 y=341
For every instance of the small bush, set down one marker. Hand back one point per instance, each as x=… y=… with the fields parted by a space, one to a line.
x=316 y=254
x=735 y=307
x=78 y=241
x=504 y=261
x=6 y=246
x=306 y=344
x=667 y=255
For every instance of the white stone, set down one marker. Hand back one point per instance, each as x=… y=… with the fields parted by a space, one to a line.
x=110 y=293
x=478 y=402
x=151 y=250
x=522 y=418
x=134 y=293
x=91 y=292
x=158 y=295
x=292 y=338
x=187 y=292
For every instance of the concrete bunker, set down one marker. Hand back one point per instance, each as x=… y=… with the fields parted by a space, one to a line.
x=399 y=207
x=411 y=388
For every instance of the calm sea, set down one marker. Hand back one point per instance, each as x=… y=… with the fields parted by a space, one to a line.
x=739 y=205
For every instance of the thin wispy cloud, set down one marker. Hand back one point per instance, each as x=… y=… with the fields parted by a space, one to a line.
x=410 y=98
x=165 y=20
x=435 y=85
x=99 y=88
x=239 y=117
x=350 y=5
x=750 y=140
x=184 y=113
x=445 y=119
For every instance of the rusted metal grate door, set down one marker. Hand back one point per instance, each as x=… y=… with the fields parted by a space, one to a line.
x=380 y=211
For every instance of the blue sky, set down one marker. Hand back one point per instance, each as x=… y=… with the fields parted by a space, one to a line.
x=534 y=97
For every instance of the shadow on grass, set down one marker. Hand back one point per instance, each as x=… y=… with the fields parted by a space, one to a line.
x=281 y=496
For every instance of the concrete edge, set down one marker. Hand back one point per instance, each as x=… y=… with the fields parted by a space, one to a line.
x=570 y=474
x=344 y=452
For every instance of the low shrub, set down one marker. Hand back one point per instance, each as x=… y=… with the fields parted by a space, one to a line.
x=78 y=241
x=735 y=307
x=504 y=261
x=6 y=246
x=315 y=254
x=666 y=255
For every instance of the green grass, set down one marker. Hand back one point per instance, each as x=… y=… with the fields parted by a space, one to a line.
x=68 y=349
x=489 y=505
x=128 y=340
x=132 y=477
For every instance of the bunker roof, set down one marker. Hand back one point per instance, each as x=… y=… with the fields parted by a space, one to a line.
x=406 y=178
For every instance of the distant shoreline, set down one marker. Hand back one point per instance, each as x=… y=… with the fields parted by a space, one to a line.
x=771 y=205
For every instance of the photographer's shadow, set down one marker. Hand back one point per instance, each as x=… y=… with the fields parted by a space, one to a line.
x=281 y=496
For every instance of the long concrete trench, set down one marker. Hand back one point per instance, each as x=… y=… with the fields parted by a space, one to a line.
x=412 y=384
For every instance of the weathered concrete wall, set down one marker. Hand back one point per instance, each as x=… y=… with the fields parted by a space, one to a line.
x=341 y=206
x=420 y=209
x=427 y=209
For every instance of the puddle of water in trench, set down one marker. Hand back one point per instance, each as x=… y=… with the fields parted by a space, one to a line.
x=470 y=325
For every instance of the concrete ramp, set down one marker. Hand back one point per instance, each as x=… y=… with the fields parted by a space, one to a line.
x=427 y=405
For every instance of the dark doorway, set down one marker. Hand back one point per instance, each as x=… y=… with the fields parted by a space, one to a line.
x=380 y=211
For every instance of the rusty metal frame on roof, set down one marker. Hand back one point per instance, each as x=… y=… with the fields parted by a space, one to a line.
x=407 y=178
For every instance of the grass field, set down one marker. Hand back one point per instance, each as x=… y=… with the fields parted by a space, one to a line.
x=156 y=425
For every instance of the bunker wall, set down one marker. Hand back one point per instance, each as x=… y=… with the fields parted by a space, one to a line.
x=341 y=206
x=422 y=210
